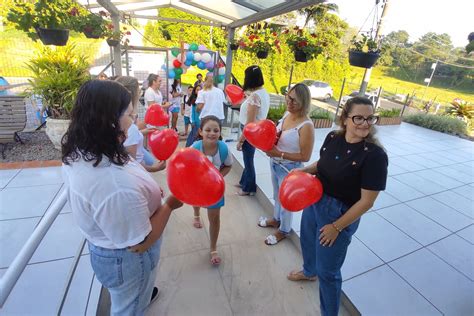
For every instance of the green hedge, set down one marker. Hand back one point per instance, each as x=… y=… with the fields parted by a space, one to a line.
x=440 y=123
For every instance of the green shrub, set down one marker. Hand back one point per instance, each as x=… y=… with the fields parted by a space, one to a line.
x=440 y=123
x=275 y=114
x=319 y=113
x=388 y=113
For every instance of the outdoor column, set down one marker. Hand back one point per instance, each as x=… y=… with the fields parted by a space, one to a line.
x=116 y=49
x=228 y=58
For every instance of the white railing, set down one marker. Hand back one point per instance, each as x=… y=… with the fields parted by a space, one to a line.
x=16 y=268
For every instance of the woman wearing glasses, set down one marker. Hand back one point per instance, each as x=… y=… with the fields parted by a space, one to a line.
x=295 y=139
x=254 y=108
x=353 y=170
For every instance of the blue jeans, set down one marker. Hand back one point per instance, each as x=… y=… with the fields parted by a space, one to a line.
x=279 y=213
x=128 y=276
x=247 y=180
x=325 y=262
x=192 y=135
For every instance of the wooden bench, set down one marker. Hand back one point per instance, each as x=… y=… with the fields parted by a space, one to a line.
x=12 y=120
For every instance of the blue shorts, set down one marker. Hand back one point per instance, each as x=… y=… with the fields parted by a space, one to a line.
x=218 y=204
x=187 y=120
x=174 y=109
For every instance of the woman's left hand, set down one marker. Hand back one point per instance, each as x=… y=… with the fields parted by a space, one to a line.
x=273 y=152
x=141 y=247
x=328 y=235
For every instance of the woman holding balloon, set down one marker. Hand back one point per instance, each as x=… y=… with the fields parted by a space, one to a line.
x=294 y=145
x=353 y=170
x=153 y=94
x=254 y=108
x=116 y=203
x=134 y=142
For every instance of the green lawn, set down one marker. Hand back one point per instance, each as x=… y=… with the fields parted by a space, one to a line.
x=395 y=85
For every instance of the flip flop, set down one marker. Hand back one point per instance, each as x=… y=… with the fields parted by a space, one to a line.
x=197 y=222
x=263 y=222
x=272 y=240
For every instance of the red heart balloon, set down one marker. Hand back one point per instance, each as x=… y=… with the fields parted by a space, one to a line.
x=299 y=190
x=235 y=93
x=163 y=143
x=261 y=134
x=156 y=116
x=193 y=179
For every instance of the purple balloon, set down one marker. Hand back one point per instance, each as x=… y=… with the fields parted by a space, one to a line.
x=186 y=46
x=210 y=65
x=202 y=47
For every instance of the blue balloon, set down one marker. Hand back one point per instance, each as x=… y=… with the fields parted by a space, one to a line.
x=171 y=74
x=190 y=56
x=188 y=62
x=163 y=67
x=201 y=65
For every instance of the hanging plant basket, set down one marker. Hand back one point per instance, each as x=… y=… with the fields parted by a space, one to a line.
x=58 y=37
x=112 y=42
x=362 y=59
x=91 y=35
x=263 y=54
x=301 y=56
x=234 y=46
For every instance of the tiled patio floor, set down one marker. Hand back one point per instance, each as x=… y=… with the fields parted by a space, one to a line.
x=413 y=253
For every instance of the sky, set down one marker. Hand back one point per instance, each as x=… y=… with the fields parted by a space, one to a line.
x=417 y=17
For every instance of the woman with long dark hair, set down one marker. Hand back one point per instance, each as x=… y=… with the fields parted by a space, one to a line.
x=254 y=108
x=115 y=202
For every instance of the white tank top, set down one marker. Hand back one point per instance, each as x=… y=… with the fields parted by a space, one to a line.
x=289 y=141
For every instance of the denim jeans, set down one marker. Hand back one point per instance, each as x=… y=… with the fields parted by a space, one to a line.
x=278 y=174
x=192 y=135
x=128 y=276
x=247 y=180
x=325 y=262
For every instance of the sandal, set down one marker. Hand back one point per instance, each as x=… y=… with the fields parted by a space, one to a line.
x=215 y=259
x=264 y=222
x=197 y=222
x=273 y=239
x=296 y=275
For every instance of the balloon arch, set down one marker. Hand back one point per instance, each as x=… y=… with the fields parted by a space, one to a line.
x=178 y=61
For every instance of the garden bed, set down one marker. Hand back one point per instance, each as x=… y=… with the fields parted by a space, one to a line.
x=37 y=146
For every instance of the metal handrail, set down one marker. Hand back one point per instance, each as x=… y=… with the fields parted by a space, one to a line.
x=16 y=268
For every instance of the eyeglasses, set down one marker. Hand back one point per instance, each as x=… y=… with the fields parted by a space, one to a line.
x=359 y=119
x=291 y=100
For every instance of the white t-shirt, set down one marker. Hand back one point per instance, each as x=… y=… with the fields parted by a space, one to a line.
x=111 y=204
x=153 y=96
x=216 y=159
x=135 y=137
x=259 y=98
x=187 y=107
x=176 y=101
x=213 y=103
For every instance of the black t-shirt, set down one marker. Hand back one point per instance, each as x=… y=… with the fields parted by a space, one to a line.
x=344 y=168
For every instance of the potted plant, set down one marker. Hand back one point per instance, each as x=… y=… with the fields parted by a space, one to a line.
x=115 y=37
x=302 y=44
x=56 y=77
x=93 y=25
x=321 y=118
x=462 y=110
x=389 y=117
x=275 y=114
x=48 y=21
x=364 y=52
x=261 y=40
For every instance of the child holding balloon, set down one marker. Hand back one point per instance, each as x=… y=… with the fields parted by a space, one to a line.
x=217 y=152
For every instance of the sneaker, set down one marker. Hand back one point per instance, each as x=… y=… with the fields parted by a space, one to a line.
x=154 y=294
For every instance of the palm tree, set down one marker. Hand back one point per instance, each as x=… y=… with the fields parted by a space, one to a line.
x=316 y=12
